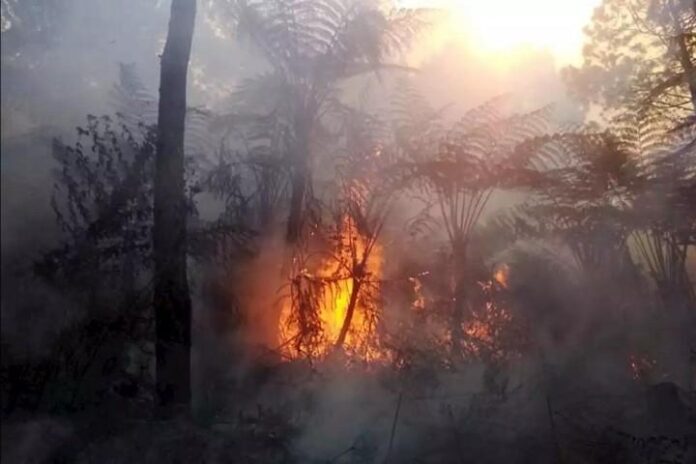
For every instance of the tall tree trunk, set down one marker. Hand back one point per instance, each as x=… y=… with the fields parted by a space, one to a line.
x=171 y=300
x=301 y=176
x=684 y=55
x=357 y=283
x=459 y=301
x=298 y=188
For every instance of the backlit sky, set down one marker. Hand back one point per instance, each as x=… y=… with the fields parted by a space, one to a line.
x=502 y=27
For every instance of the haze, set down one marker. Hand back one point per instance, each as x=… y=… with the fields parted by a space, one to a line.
x=348 y=231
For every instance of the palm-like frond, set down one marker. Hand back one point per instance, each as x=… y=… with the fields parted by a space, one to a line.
x=479 y=154
x=631 y=189
x=324 y=39
x=663 y=213
x=310 y=45
x=588 y=177
x=666 y=173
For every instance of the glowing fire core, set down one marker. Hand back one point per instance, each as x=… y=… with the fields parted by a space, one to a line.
x=342 y=294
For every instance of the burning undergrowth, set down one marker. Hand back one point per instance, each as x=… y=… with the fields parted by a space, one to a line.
x=346 y=290
x=338 y=301
x=334 y=298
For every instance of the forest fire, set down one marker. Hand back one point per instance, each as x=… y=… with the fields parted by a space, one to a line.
x=642 y=367
x=491 y=326
x=334 y=301
x=348 y=231
x=334 y=304
x=501 y=275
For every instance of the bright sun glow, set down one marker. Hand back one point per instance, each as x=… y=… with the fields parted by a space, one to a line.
x=501 y=26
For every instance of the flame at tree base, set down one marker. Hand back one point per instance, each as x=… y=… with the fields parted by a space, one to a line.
x=335 y=305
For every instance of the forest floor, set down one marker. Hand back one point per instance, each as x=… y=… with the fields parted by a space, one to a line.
x=359 y=423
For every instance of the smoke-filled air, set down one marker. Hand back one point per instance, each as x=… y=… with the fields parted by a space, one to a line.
x=348 y=231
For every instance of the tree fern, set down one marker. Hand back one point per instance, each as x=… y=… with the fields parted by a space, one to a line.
x=310 y=46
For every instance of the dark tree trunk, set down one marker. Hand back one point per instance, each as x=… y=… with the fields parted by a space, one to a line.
x=357 y=283
x=689 y=69
x=458 y=310
x=297 y=200
x=459 y=301
x=301 y=177
x=172 y=301
x=684 y=55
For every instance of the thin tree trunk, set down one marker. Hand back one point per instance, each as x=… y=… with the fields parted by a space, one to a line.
x=393 y=429
x=297 y=200
x=685 y=58
x=457 y=316
x=171 y=298
x=689 y=69
x=459 y=302
x=357 y=283
x=554 y=435
x=301 y=175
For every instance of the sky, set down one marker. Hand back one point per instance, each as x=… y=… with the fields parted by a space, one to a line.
x=500 y=28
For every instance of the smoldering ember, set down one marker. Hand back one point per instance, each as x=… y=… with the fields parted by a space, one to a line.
x=348 y=231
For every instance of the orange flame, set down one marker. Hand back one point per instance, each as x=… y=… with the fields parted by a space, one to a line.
x=501 y=275
x=342 y=272
x=419 y=300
